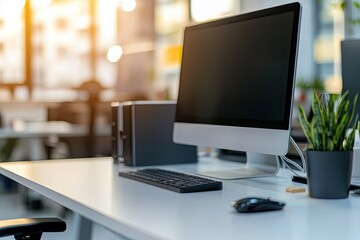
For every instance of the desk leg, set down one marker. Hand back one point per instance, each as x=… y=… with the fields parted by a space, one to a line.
x=34 y=199
x=82 y=227
x=36 y=149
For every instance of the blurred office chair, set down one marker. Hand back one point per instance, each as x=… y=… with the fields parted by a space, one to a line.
x=74 y=113
x=30 y=228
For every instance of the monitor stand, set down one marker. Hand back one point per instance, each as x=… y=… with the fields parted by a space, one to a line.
x=257 y=165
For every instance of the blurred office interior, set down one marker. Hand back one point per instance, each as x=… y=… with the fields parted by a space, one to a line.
x=62 y=62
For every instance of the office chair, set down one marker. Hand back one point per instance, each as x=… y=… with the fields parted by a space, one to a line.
x=30 y=228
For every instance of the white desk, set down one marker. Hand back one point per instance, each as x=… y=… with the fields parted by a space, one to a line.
x=92 y=188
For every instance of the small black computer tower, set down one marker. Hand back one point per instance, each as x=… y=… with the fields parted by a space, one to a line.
x=142 y=134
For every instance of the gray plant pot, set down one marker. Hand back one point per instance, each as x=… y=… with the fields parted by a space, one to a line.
x=329 y=173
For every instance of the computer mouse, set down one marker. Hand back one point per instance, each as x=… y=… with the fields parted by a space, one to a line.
x=257 y=204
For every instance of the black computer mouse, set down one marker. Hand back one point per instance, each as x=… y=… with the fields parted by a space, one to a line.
x=257 y=204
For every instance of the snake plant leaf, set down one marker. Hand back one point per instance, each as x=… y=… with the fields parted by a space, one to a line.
x=318 y=112
x=333 y=115
x=344 y=109
x=321 y=106
x=354 y=103
x=341 y=131
x=330 y=145
x=315 y=134
x=304 y=122
x=331 y=124
x=349 y=143
x=332 y=101
x=341 y=109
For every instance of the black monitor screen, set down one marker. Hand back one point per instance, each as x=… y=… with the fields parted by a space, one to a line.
x=239 y=71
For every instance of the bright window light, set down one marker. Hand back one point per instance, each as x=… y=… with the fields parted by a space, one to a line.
x=41 y=3
x=202 y=10
x=11 y=8
x=128 y=5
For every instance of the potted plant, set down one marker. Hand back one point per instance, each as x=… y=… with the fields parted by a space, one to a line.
x=329 y=153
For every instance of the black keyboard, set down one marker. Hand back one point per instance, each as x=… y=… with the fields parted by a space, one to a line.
x=174 y=181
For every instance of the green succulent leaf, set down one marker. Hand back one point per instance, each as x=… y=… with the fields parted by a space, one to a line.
x=342 y=108
x=316 y=135
x=349 y=141
x=305 y=125
x=318 y=113
x=354 y=103
x=333 y=115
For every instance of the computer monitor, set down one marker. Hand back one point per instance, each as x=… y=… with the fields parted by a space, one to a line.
x=236 y=87
x=350 y=55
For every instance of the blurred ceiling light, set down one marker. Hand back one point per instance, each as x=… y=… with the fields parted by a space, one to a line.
x=127 y=5
x=114 y=53
x=202 y=10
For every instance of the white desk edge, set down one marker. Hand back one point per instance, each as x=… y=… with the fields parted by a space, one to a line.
x=122 y=213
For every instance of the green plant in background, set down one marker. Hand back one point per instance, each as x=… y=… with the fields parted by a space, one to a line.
x=343 y=5
x=315 y=84
x=332 y=117
x=355 y=5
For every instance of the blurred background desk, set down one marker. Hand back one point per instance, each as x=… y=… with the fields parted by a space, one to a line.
x=95 y=123
x=42 y=137
x=44 y=119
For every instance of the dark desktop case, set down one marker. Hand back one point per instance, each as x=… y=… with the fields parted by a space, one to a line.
x=142 y=134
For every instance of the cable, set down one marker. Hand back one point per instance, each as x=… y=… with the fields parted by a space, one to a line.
x=299 y=152
x=288 y=167
x=286 y=161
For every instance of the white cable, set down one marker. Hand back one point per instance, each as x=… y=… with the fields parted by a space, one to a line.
x=287 y=166
x=299 y=152
x=286 y=161
x=284 y=158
